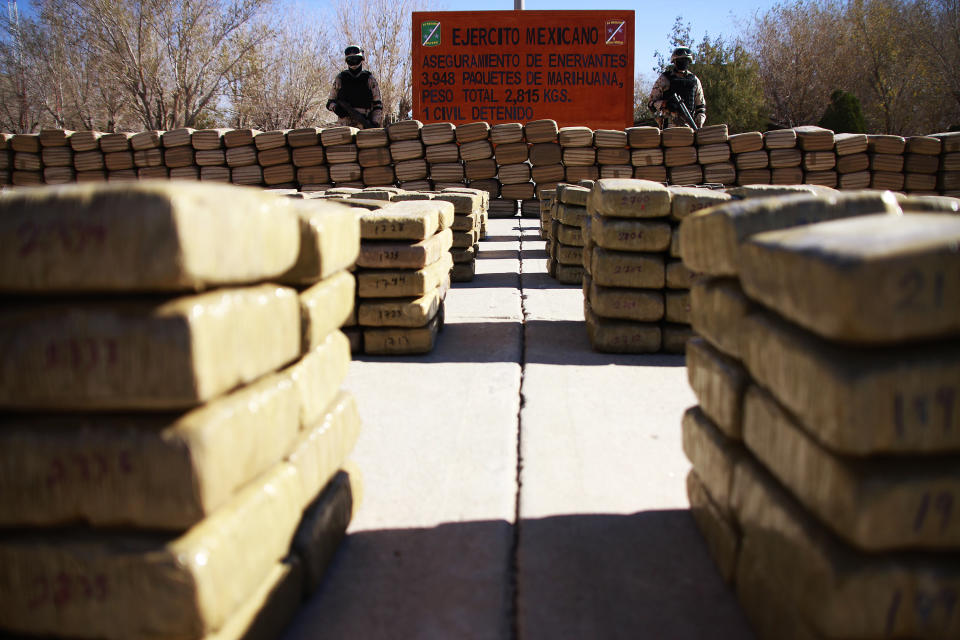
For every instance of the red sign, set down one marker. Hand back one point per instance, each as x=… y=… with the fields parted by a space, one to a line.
x=575 y=67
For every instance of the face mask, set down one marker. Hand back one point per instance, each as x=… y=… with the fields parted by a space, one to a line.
x=683 y=63
x=354 y=61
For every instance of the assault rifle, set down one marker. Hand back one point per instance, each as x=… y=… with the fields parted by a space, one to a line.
x=357 y=117
x=675 y=104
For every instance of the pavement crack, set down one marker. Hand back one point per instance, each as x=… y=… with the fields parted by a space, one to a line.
x=515 y=544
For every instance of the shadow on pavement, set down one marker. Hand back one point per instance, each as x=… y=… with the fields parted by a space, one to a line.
x=471 y=342
x=498 y=254
x=501 y=280
x=645 y=575
x=555 y=342
x=541 y=280
x=566 y=342
x=490 y=238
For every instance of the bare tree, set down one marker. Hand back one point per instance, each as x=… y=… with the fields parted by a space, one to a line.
x=802 y=49
x=20 y=109
x=283 y=84
x=935 y=29
x=172 y=56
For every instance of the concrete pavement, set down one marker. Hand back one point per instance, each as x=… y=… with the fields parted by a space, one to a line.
x=514 y=419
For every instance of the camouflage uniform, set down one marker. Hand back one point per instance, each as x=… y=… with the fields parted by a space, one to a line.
x=657 y=102
x=374 y=111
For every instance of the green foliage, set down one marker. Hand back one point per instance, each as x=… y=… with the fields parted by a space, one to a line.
x=843 y=114
x=679 y=37
x=730 y=77
x=731 y=85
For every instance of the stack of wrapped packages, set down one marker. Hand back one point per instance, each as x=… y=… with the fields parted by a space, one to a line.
x=407 y=153
x=684 y=201
x=636 y=288
x=442 y=154
x=174 y=447
x=373 y=156
x=713 y=154
x=628 y=234
x=469 y=226
x=510 y=149
x=825 y=443
x=948 y=177
x=565 y=242
x=403 y=274
x=547 y=198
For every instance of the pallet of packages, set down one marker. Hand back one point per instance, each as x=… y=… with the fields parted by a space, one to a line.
x=403 y=274
x=824 y=445
x=174 y=411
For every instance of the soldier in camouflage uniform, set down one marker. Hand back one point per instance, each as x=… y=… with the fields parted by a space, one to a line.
x=357 y=87
x=678 y=80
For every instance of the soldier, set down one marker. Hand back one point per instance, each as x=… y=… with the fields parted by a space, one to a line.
x=356 y=87
x=679 y=81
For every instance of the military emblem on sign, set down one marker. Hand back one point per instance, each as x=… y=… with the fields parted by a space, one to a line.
x=616 y=32
x=430 y=33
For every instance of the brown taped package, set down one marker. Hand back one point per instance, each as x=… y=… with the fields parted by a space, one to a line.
x=627 y=269
x=713 y=455
x=641 y=305
x=875 y=505
x=719 y=383
x=326 y=306
x=270 y=608
x=871 y=279
x=150 y=472
x=619 y=336
x=404 y=255
x=839 y=592
x=325 y=523
x=148 y=236
x=712 y=239
x=717 y=308
x=322 y=449
x=674 y=337
x=401 y=312
x=687 y=200
x=319 y=374
x=129 y=586
x=678 y=276
x=677 y=306
x=628 y=198
x=857 y=401
x=143 y=354
x=329 y=241
x=407 y=220
x=400 y=341
x=391 y=283
x=719 y=531
x=630 y=234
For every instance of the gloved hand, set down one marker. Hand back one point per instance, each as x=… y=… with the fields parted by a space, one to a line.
x=700 y=118
x=332 y=105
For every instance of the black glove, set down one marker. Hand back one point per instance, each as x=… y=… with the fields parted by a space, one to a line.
x=337 y=109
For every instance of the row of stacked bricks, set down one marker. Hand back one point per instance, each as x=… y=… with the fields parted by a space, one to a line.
x=467 y=223
x=619 y=239
x=173 y=454
x=413 y=245
x=511 y=161
x=824 y=447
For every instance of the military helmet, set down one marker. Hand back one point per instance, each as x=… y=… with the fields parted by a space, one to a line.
x=353 y=54
x=681 y=52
